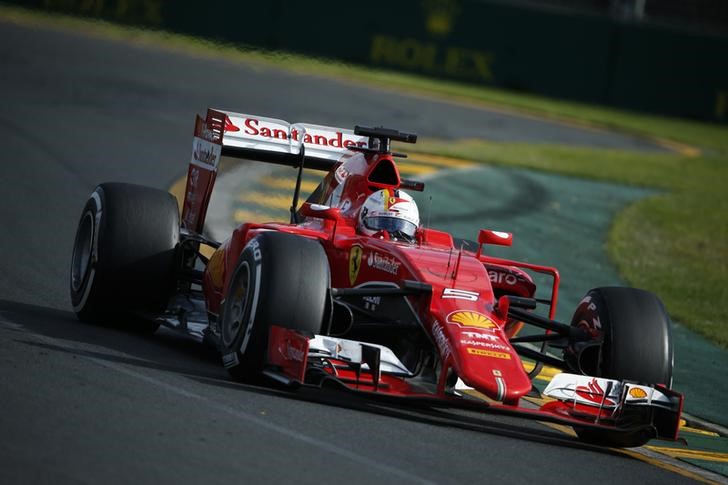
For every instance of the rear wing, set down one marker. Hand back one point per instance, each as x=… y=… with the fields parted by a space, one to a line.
x=250 y=137
x=276 y=141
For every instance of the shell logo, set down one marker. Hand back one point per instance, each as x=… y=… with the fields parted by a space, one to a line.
x=637 y=393
x=471 y=319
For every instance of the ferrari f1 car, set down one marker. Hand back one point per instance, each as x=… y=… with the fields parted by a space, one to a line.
x=400 y=312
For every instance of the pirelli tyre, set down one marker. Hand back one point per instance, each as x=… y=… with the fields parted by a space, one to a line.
x=124 y=255
x=635 y=330
x=636 y=344
x=281 y=279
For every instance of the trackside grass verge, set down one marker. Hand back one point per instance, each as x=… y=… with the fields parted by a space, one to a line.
x=674 y=243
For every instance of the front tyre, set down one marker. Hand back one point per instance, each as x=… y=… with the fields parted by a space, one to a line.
x=281 y=279
x=636 y=345
x=635 y=332
x=124 y=255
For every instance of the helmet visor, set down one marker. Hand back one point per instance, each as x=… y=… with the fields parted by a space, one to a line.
x=392 y=225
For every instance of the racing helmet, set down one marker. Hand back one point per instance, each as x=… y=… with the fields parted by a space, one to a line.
x=390 y=210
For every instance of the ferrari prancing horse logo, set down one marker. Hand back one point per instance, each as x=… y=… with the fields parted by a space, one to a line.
x=354 y=263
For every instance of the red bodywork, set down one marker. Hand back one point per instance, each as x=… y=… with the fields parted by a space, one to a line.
x=470 y=336
x=466 y=314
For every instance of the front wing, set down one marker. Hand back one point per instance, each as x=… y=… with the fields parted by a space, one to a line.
x=625 y=412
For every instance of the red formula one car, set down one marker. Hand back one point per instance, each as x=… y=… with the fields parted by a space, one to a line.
x=354 y=292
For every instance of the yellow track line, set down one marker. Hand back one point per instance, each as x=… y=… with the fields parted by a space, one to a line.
x=288 y=184
x=665 y=466
x=414 y=169
x=538 y=401
x=677 y=147
x=267 y=200
x=691 y=454
x=703 y=432
x=241 y=215
x=672 y=452
x=678 y=453
x=648 y=459
x=547 y=372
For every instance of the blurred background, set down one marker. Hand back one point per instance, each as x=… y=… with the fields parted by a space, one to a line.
x=660 y=56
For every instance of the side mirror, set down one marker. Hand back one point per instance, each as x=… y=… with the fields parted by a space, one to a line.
x=496 y=238
x=321 y=211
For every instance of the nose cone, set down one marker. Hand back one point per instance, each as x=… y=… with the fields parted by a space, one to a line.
x=486 y=362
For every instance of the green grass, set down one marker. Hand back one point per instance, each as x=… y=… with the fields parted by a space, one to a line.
x=675 y=243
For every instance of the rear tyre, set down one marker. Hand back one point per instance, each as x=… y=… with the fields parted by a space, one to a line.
x=281 y=279
x=124 y=255
x=636 y=345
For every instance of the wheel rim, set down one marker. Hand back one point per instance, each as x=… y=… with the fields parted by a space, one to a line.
x=237 y=306
x=82 y=251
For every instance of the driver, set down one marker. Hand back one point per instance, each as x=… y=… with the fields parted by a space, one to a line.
x=390 y=210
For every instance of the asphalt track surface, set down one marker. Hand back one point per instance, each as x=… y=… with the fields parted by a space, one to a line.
x=83 y=403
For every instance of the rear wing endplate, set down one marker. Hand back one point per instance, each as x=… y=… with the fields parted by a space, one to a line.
x=206 y=152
